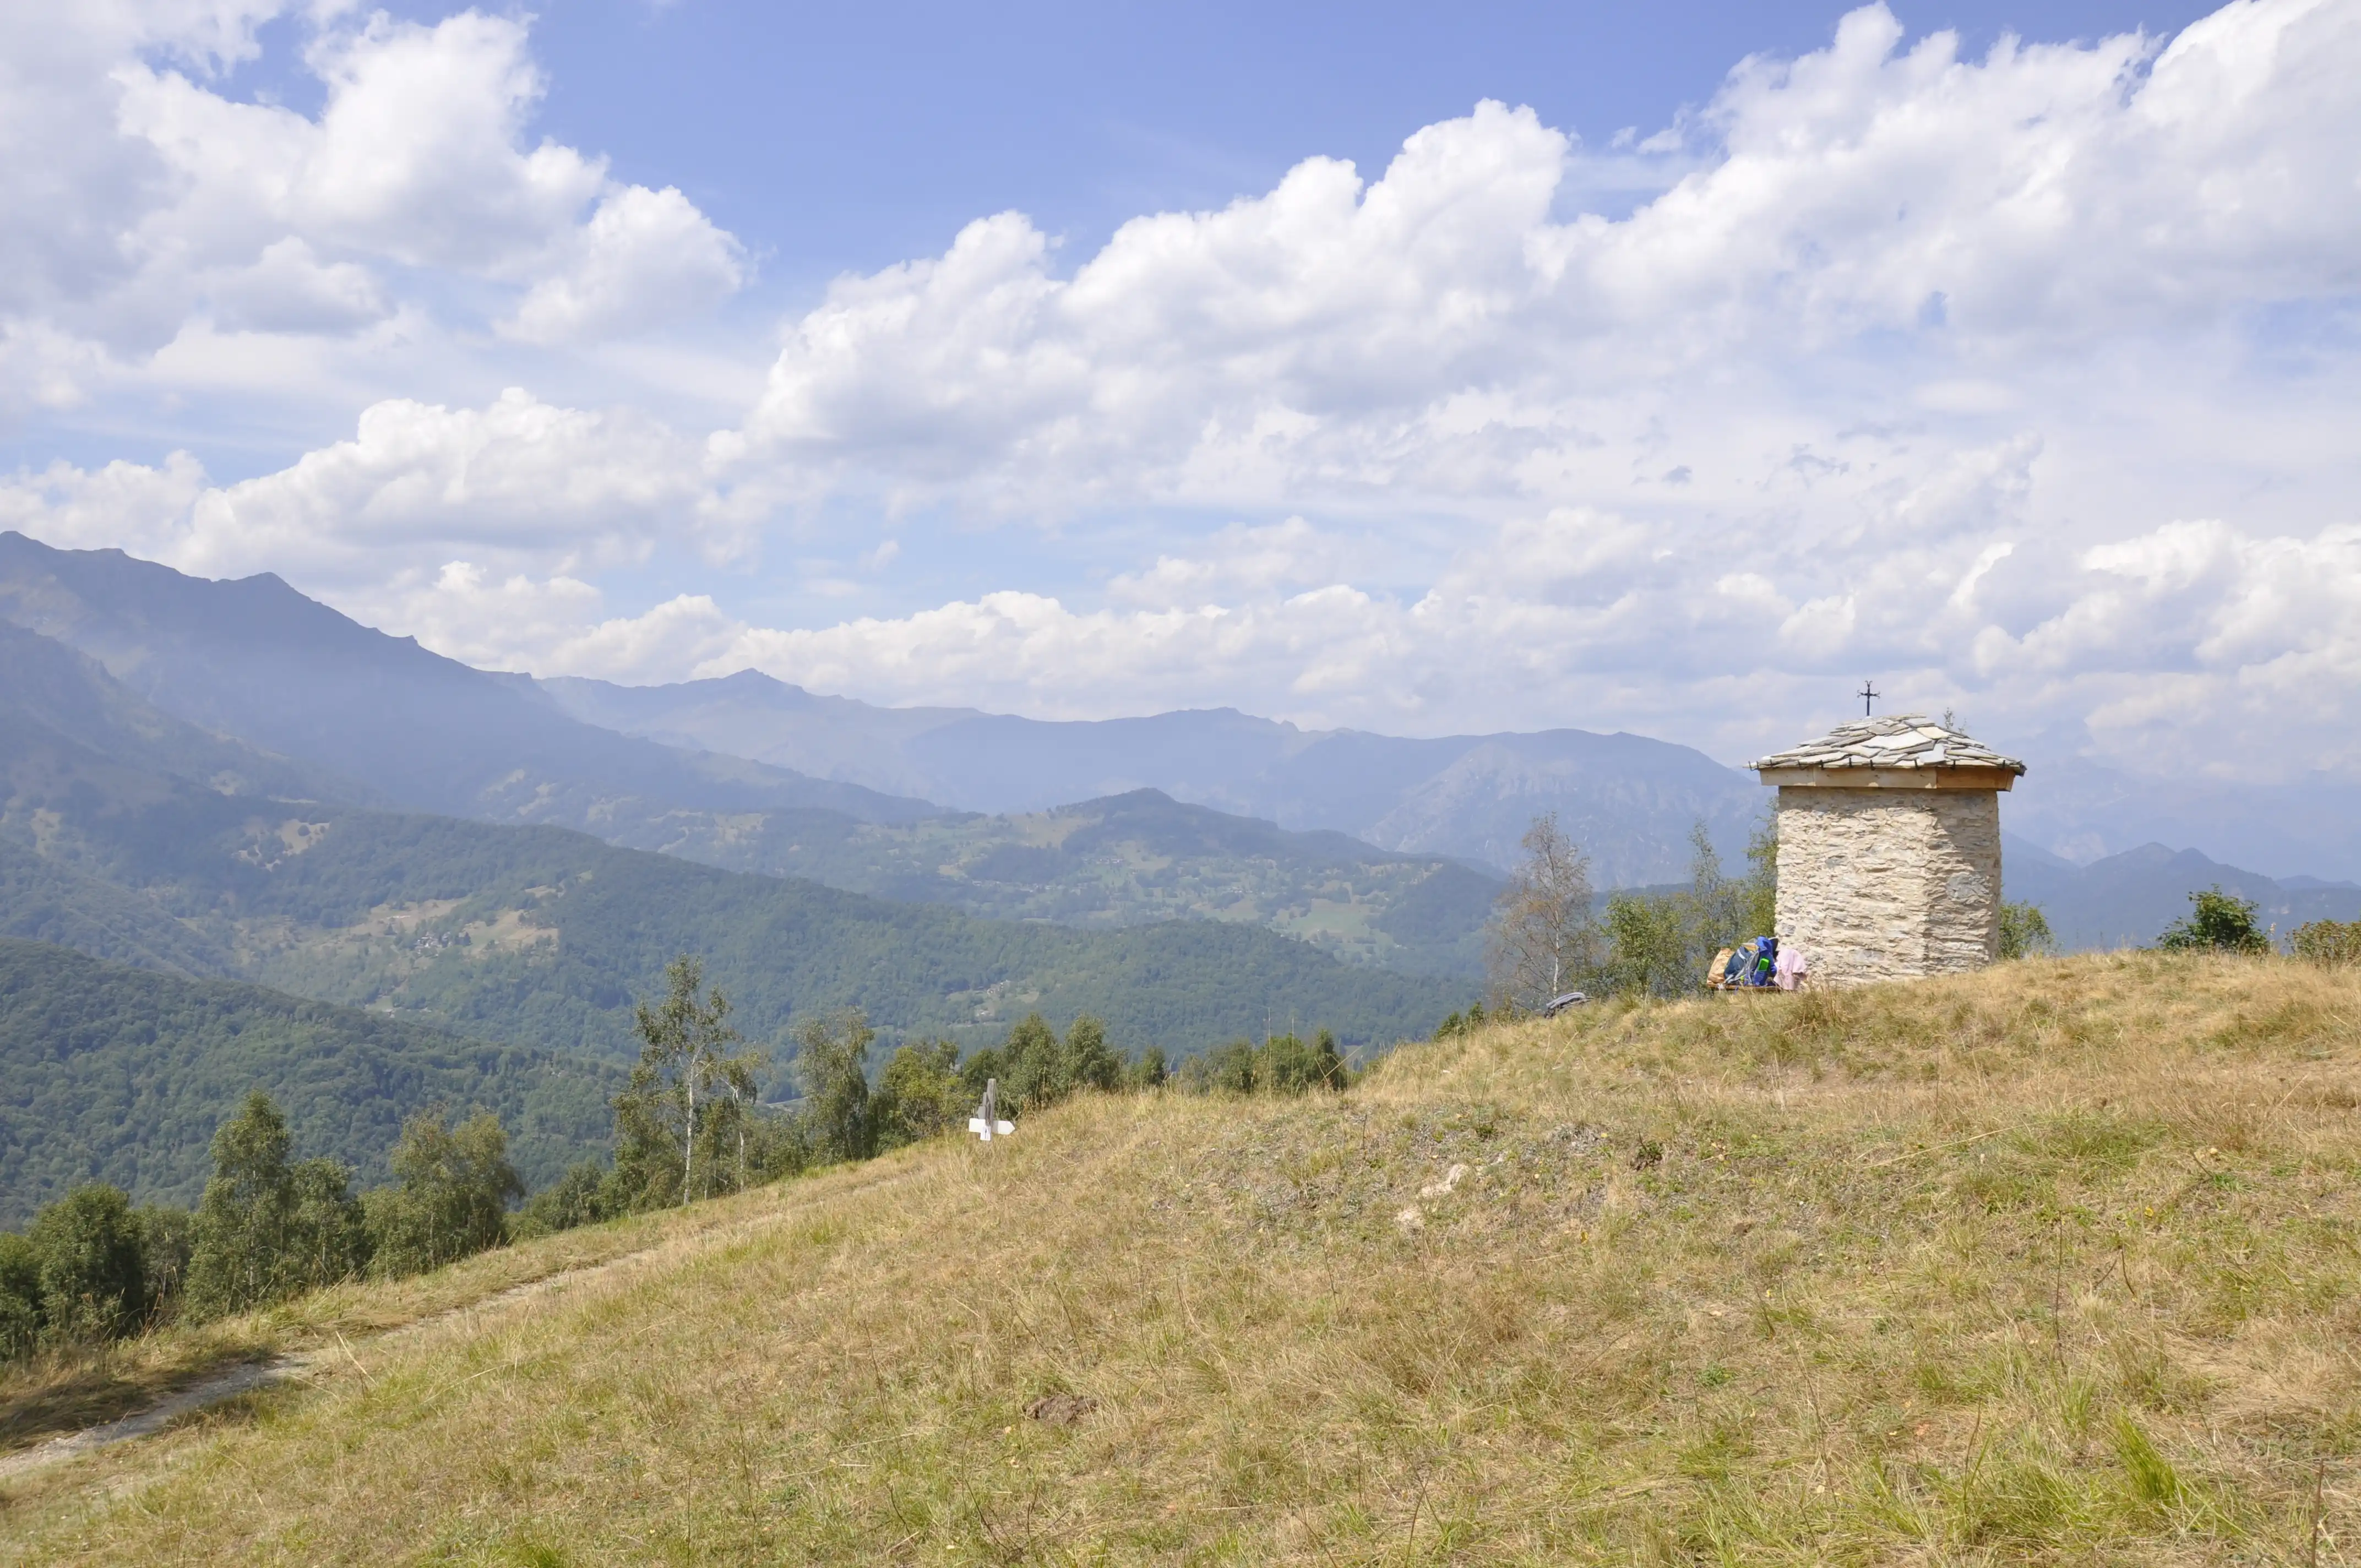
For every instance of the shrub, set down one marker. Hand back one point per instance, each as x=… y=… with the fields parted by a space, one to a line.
x=93 y=1279
x=1460 y=1024
x=1282 y=1064
x=920 y=1094
x=167 y=1244
x=2219 y=923
x=20 y=1297
x=1150 y=1070
x=1037 y=1069
x=2329 y=942
x=831 y=1063
x=2023 y=931
x=583 y=1196
x=451 y=1202
x=267 y=1230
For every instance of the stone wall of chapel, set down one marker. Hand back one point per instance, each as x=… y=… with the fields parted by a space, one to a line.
x=1889 y=884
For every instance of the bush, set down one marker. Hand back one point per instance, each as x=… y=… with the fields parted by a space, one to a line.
x=267 y=1230
x=1037 y=1069
x=921 y=1094
x=1282 y=1064
x=452 y=1201
x=2023 y=931
x=167 y=1243
x=20 y=1297
x=2219 y=923
x=1460 y=1024
x=1651 y=944
x=831 y=1062
x=2331 y=942
x=93 y=1281
x=1150 y=1070
x=584 y=1196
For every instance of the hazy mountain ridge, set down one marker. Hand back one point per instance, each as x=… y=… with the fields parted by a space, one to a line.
x=2127 y=900
x=1631 y=800
x=540 y=936
x=394 y=722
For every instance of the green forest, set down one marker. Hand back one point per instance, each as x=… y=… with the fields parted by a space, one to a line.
x=117 y=1075
x=540 y=937
x=1123 y=861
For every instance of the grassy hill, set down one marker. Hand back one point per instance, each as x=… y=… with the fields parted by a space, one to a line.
x=115 y=1074
x=2056 y=1264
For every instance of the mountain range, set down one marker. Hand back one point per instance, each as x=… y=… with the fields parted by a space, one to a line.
x=245 y=839
x=2126 y=900
x=140 y=837
x=1632 y=801
x=1381 y=850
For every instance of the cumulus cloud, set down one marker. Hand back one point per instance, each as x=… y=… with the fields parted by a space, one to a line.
x=643 y=258
x=519 y=485
x=147 y=204
x=1440 y=329
x=2023 y=381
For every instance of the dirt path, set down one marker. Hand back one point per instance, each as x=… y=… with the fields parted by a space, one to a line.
x=247 y=1376
x=250 y=1375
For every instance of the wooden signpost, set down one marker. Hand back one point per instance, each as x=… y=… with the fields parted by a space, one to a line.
x=986 y=1121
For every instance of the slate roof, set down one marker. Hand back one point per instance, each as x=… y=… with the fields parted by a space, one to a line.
x=1899 y=741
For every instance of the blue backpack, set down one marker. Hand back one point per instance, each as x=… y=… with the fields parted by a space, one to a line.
x=1752 y=962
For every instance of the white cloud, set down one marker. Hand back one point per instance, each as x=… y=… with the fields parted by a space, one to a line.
x=147 y=204
x=645 y=257
x=519 y=484
x=1916 y=367
x=555 y=625
x=1438 y=330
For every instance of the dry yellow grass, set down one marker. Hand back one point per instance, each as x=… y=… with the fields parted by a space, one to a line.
x=2053 y=1264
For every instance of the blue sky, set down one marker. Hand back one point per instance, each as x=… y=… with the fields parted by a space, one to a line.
x=1414 y=367
x=851 y=137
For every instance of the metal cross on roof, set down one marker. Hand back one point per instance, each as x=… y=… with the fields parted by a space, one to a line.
x=1868 y=694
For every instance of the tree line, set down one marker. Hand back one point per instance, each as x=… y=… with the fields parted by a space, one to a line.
x=1551 y=933
x=92 y=1267
x=688 y=1124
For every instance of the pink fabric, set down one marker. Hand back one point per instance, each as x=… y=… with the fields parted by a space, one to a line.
x=1788 y=972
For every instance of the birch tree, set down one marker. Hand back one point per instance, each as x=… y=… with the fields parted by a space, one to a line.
x=687 y=1087
x=1543 y=939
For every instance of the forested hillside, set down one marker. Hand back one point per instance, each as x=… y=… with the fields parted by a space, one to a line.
x=42 y=900
x=128 y=847
x=1126 y=860
x=543 y=937
x=114 y=1074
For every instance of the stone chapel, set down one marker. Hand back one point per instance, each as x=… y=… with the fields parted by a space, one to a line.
x=1889 y=850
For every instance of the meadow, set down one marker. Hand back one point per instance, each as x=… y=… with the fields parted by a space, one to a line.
x=2052 y=1264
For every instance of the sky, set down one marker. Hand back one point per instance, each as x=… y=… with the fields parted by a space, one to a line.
x=1419 y=369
